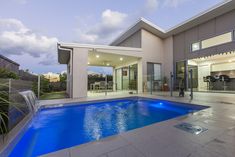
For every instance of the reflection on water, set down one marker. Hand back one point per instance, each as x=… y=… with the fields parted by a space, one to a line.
x=99 y=118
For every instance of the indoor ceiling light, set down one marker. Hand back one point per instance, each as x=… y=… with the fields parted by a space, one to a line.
x=121 y=59
x=229 y=61
x=107 y=64
x=97 y=56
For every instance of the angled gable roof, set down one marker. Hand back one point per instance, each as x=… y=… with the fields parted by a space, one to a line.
x=207 y=15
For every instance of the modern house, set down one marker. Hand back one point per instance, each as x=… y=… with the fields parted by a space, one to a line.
x=9 y=64
x=52 y=77
x=204 y=43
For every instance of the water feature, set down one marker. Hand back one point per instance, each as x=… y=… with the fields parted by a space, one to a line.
x=30 y=99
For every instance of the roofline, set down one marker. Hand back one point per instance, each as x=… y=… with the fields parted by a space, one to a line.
x=175 y=29
x=199 y=15
x=91 y=46
x=9 y=60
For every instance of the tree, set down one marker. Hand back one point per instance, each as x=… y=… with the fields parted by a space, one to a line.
x=4 y=73
x=63 y=80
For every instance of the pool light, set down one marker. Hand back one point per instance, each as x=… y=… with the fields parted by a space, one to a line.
x=121 y=59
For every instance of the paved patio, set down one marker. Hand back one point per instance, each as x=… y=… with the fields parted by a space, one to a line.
x=163 y=139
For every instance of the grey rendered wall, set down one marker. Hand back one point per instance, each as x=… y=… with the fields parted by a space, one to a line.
x=133 y=41
x=216 y=26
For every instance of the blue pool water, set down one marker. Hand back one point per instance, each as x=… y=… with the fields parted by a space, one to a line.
x=53 y=129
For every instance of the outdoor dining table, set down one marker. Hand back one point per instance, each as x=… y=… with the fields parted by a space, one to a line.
x=94 y=85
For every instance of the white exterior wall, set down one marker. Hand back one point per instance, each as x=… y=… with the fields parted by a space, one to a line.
x=152 y=46
x=153 y=50
x=79 y=78
x=168 y=57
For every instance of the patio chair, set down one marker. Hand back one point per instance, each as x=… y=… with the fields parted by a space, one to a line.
x=110 y=85
x=102 y=85
x=96 y=86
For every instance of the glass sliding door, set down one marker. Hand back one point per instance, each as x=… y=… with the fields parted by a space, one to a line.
x=154 y=76
x=195 y=76
x=126 y=78
x=181 y=80
x=133 y=77
x=119 y=79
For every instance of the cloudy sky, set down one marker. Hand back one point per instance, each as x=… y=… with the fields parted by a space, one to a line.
x=30 y=29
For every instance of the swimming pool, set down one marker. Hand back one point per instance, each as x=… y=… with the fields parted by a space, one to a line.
x=53 y=129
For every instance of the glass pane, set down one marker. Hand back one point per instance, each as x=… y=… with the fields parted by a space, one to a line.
x=154 y=76
x=195 y=76
x=150 y=70
x=221 y=39
x=157 y=72
x=119 y=79
x=180 y=74
x=133 y=77
x=125 y=78
x=196 y=46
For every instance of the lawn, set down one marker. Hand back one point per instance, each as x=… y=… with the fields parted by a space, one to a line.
x=53 y=95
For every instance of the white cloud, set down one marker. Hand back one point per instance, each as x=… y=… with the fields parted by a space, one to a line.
x=151 y=5
x=113 y=18
x=111 y=23
x=173 y=3
x=17 y=39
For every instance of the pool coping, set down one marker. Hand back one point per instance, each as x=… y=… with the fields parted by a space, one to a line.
x=113 y=99
x=68 y=151
x=14 y=135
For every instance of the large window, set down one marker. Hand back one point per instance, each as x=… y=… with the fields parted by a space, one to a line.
x=126 y=78
x=154 y=71
x=220 y=39
x=214 y=41
x=181 y=74
x=196 y=46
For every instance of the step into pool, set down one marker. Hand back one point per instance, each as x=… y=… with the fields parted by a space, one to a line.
x=53 y=129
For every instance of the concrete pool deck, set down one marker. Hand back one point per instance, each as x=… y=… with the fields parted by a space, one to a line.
x=163 y=139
